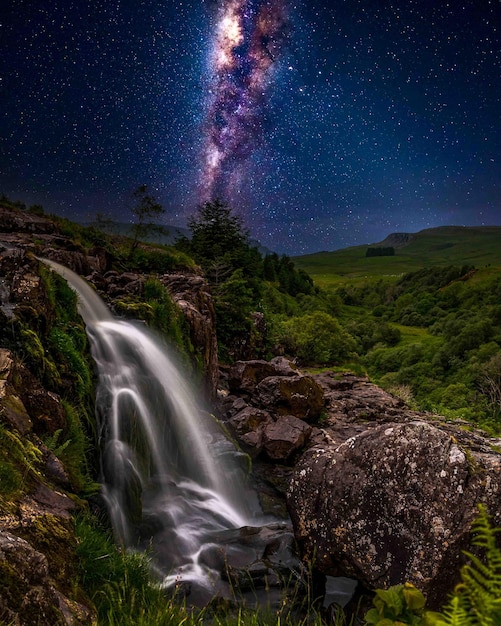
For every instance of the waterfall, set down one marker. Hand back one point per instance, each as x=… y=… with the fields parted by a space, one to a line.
x=171 y=480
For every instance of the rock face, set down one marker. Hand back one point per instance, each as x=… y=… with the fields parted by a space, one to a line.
x=391 y=498
x=274 y=401
x=191 y=294
x=37 y=540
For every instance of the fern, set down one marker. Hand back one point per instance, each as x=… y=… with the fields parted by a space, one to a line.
x=477 y=599
x=51 y=442
x=456 y=613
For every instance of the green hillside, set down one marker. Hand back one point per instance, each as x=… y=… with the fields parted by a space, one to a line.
x=447 y=245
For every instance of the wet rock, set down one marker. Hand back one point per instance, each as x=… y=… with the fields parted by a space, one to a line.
x=192 y=295
x=261 y=557
x=394 y=503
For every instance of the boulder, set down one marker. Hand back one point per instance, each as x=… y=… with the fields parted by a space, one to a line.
x=245 y=375
x=394 y=503
x=297 y=395
x=248 y=426
x=284 y=436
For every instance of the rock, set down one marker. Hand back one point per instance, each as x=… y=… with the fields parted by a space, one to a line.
x=284 y=436
x=394 y=503
x=284 y=366
x=191 y=293
x=27 y=594
x=12 y=409
x=83 y=263
x=16 y=221
x=297 y=395
x=248 y=426
x=245 y=375
x=44 y=407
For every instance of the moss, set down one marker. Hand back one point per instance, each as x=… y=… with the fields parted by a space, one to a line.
x=10 y=478
x=54 y=536
x=40 y=363
x=19 y=458
x=132 y=308
x=12 y=586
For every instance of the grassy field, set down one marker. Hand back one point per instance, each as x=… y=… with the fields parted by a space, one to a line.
x=447 y=245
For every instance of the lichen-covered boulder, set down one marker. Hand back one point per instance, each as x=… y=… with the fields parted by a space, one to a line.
x=394 y=503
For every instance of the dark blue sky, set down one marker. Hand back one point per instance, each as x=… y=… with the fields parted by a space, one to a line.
x=330 y=124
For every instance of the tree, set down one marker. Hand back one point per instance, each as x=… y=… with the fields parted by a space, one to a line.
x=217 y=235
x=145 y=210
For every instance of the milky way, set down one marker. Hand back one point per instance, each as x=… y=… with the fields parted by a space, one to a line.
x=248 y=40
x=322 y=123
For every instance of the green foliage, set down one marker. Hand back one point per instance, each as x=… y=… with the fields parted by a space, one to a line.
x=11 y=465
x=35 y=354
x=167 y=318
x=477 y=599
x=217 y=235
x=398 y=605
x=19 y=462
x=113 y=578
x=290 y=279
x=234 y=303
x=316 y=338
x=66 y=349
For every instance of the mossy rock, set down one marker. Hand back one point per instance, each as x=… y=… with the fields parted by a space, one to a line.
x=54 y=537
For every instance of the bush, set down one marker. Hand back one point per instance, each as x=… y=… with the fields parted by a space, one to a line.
x=316 y=338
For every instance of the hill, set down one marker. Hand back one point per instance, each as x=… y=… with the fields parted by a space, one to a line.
x=446 y=245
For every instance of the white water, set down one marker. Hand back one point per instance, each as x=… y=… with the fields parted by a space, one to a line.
x=170 y=479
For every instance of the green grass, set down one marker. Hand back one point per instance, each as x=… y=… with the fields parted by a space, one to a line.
x=448 y=245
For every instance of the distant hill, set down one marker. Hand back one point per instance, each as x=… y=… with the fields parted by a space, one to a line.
x=173 y=234
x=446 y=245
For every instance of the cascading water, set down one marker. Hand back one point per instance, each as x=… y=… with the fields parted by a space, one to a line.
x=170 y=479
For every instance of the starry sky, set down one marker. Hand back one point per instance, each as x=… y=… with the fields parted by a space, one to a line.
x=323 y=124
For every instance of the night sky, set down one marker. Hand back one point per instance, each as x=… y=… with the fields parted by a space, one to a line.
x=323 y=124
